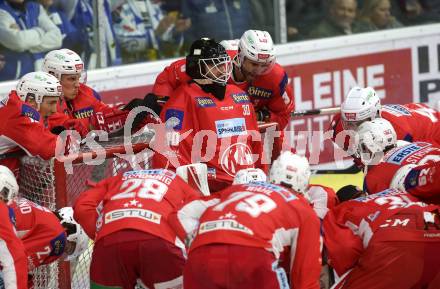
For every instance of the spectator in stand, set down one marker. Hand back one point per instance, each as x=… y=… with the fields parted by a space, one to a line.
x=219 y=19
x=301 y=15
x=144 y=29
x=376 y=15
x=80 y=13
x=71 y=36
x=340 y=20
x=416 y=12
x=26 y=33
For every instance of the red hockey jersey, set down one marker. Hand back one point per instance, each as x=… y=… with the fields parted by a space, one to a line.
x=424 y=182
x=83 y=106
x=354 y=226
x=21 y=128
x=268 y=91
x=139 y=200
x=258 y=215
x=13 y=261
x=40 y=231
x=412 y=122
x=229 y=125
x=379 y=177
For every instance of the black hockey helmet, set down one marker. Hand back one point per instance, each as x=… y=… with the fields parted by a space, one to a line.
x=208 y=59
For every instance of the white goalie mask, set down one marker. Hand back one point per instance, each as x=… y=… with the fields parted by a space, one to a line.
x=292 y=170
x=8 y=185
x=361 y=104
x=249 y=175
x=75 y=233
x=375 y=137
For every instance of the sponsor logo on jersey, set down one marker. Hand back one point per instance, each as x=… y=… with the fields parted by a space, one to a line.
x=204 y=102
x=240 y=97
x=174 y=118
x=259 y=92
x=146 y=215
x=84 y=112
x=230 y=127
x=30 y=112
x=396 y=108
x=224 y=224
x=58 y=244
x=401 y=154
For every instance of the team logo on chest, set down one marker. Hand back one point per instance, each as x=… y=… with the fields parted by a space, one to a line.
x=236 y=157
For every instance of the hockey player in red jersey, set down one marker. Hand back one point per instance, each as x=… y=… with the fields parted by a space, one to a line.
x=127 y=216
x=383 y=241
x=254 y=70
x=382 y=157
x=421 y=181
x=244 y=229
x=81 y=107
x=24 y=114
x=13 y=261
x=412 y=122
x=46 y=235
x=208 y=108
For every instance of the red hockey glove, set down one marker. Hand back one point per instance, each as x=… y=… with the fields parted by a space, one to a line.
x=109 y=119
x=76 y=124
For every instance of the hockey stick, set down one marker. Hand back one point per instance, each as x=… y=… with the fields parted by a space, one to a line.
x=319 y=111
x=353 y=169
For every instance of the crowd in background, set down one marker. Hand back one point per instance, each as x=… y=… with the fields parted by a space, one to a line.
x=133 y=31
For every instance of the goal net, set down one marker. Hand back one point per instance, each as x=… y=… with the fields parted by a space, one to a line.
x=58 y=182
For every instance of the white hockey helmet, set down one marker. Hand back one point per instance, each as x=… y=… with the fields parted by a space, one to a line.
x=230 y=44
x=63 y=61
x=38 y=85
x=361 y=104
x=375 y=138
x=75 y=233
x=249 y=175
x=257 y=46
x=8 y=185
x=292 y=170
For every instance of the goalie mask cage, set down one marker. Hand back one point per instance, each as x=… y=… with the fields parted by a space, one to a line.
x=49 y=183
